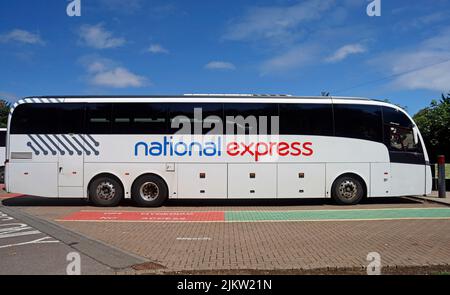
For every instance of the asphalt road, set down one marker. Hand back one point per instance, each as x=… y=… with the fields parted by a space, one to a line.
x=31 y=246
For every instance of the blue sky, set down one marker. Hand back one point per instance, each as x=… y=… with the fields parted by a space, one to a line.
x=176 y=47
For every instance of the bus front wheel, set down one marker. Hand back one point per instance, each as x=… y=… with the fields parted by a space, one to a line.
x=347 y=190
x=149 y=191
x=105 y=191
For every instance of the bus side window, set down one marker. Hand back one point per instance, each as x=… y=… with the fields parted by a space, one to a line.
x=71 y=118
x=201 y=118
x=358 y=121
x=98 y=118
x=244 y=118
x=139 y=118
x=35 y=118
x=306 y=119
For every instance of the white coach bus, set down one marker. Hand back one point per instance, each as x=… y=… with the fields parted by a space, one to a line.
x=113 y=148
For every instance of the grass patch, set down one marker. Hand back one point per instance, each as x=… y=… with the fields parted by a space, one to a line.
x=447 y=170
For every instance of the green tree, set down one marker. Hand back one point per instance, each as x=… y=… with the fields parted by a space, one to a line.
x=433 y=122
x=4 y=112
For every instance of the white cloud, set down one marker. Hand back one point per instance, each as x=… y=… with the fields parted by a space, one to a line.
x=106 y=73
x=21 y=36
x=297 y=33
x=157 y=48
x=298 y=56
x=220 y=65
x=97 y=37
x=421 y=69
x=346 y=50
x=275 y=22
x=118 y=78
x=425 y=66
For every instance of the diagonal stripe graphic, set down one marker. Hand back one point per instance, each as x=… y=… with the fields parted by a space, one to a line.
x=62 y=152
x=37 y=144
x=46 y=144
x=89 y=145
x=63 y=145
x=72 y=145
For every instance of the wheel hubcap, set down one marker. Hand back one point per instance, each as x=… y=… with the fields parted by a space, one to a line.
x=106 y=191
x=149 y=191
x=348 y=189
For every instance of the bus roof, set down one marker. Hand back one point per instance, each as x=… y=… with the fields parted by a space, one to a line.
x=211 y=95
x=207 y=98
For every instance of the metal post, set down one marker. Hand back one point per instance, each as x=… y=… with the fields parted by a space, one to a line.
x=441 y=179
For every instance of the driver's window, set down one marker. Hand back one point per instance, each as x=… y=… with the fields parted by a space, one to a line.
x=402 y=139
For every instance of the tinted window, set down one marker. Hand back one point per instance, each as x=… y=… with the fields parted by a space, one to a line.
x=358 y=121
x=71 y=118
x=244 y=118
x=398 y=130
x=2 y=138
x=98 y=118
x=35 y=118
x=206 y=120
x=140 y=118
x=306 y=119
x=401 y=139
x=395 y=117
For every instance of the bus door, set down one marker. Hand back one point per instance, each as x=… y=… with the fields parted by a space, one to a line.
x=71 y=151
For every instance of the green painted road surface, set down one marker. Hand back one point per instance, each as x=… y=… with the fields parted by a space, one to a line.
x=258 y=216
x=330 y=215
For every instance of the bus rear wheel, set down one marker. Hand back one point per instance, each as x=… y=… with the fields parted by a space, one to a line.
x=105 y=191
x=347 y=190
x=149 y=191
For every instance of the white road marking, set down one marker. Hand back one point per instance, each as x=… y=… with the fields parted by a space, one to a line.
x=16 y=229
x=38 y=241
x=194 y=239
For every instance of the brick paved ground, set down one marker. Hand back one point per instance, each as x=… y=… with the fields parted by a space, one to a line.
x=287 y=245
x=264 y=245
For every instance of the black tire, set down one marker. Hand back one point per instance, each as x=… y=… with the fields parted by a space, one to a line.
x=105 y=191
x=2 y=174
x=347 y=190
x=149 y=191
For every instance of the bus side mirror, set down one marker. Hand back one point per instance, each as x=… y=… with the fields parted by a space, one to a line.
x=416 y=135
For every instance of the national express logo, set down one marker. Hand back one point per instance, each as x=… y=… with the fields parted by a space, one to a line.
x=170 y=147
x=242 y=137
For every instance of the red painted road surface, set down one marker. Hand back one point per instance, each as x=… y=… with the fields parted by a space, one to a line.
x=9 y=196
x=145 y=216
